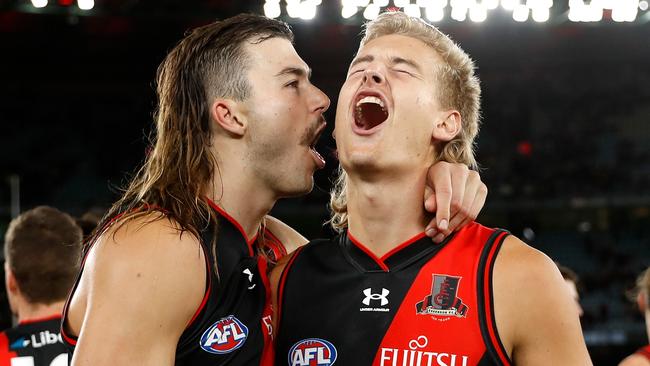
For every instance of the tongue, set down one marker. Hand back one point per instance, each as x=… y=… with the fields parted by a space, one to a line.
x=320 y=161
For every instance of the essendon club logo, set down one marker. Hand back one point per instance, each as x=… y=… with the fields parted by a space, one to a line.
x=443 y=300
x=224 y=336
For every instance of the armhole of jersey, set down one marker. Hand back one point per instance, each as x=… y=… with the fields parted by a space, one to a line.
x=68 y=338
x=208 y=286
x=281 y=283
x=275 y=245
x=645 y=352
x=485 y=298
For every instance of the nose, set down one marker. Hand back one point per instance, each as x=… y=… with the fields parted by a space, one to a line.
x=372 y=76
x=321 y=101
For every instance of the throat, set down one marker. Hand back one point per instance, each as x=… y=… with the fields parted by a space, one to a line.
x=383 y=215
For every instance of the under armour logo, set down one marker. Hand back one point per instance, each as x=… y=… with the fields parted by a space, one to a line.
x=250 y=278
x=370 y=296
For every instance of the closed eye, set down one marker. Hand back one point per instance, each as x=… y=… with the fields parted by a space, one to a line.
x=292 y=84
x=403 y=72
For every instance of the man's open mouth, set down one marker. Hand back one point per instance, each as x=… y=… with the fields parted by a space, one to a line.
x=320 y=161
x=369 y=111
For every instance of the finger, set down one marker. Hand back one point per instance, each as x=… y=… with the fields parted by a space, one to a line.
x=459 y=177
x=473 y=188
x=443 y=195
x=429 y=199
x=458 y=220
x=431 y=230
x=477 y=205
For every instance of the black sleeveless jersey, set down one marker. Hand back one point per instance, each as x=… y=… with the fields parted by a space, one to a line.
x=421 y=304
x=33 y=343
x=233 y=324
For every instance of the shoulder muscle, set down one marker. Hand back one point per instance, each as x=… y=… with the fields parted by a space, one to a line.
x=144 y=280
x=530 y=309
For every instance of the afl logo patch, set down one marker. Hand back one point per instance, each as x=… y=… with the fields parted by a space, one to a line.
x=312 y=352
x=224 y=336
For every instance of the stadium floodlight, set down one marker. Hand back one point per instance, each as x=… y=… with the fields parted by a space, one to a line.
x=39 y=3
x=509 y=4
x=371 y=12
x=540 y=14
x=643 y=5
x=520 y=13
x=380 y=3
x=348 y=11
x=272 y=9
x=401 y=3
x=434 y=13
x=491 y=4
x=625 y=11
x=478 y=13
x=595 y=13
x=606 y=4
x=459 y=14
x=307 y=11
x=86 y=4
x=412 y=10
x=360 y=3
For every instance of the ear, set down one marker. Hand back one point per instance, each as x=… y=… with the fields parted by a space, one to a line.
x=641 y=301
x=227 y=114
x=10 y=280
x=447 y=126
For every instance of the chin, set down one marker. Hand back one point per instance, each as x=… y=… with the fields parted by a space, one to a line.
x=298 y=189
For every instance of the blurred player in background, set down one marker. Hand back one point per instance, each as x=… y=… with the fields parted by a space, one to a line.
x=642 y=356
x=572 y=281
x=42 y=251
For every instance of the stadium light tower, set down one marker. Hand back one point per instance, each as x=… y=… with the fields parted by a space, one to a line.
x=39 y=3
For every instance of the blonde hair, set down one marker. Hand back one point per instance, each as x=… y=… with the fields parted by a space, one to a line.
x=460 y=90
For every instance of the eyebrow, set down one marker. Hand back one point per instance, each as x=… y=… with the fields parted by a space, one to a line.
x=296 y=71
x=395 y=60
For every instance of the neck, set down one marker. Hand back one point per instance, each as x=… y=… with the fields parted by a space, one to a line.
x=38 y=311
x=385 y=212
x=239 y=192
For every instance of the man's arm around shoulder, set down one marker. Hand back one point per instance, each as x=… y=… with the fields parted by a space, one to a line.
x=288 y=237
x=533 y=309
x=143 y=285
x=635 y=360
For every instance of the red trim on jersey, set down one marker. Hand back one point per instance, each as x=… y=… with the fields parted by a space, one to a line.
x=644 y=351
x=381 y=262
x=268 y=350
x=41 y=319
x=283 y=280
x=402 y=246
x=274 y=244
x=5 y=354
x=489 y=301
x=232 y=220
x=370 y=254
x=208 y=288
x=68 y=339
